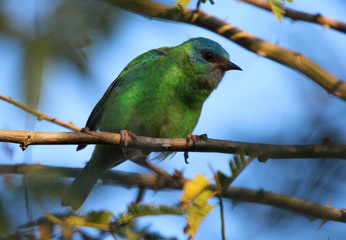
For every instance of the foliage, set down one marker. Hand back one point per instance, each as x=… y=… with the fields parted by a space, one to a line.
x=69 y=225
x=277 y=8
x=195 y=200
x=237 y=165
x=193 y=205
x=140 y=210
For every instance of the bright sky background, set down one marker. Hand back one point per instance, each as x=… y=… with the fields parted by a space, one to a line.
x=266 y=102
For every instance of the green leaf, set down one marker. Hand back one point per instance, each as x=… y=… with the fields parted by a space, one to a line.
x=101 y=217
x=232 y=167
x=277 y=8
x=222 y=181
x=236 y=165
x=139 y=210
x=237 y=162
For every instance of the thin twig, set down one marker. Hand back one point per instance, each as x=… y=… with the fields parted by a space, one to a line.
x=260 y=150
x=326 y=22
x=325 y=213
x=223 y=231
x=40 y=115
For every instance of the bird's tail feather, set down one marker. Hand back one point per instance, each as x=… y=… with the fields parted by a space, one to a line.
x=81 y=187
x=104 y=157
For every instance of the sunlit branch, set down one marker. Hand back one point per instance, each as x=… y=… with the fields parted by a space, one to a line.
x=295 y=60
x=326 y=213
x=326 y=22
x=260 y=150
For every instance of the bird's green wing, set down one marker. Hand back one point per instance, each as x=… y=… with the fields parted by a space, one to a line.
x=138 y=62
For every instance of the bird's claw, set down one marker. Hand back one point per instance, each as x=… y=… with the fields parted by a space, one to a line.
x=186 y=156
x=124 y=137
x=197 y=10
x=85 y=130
x=195 y=139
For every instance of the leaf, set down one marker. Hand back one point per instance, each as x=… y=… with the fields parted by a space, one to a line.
x=202 y=198
x=193 y=187
x=195 y=215
x=182 y=3
x=74 y=221
x=101 y=217
x=195 y=200
x=237 y=162
x=277 y=8
x=236 y=165
x=139 y=210
x=222 y=181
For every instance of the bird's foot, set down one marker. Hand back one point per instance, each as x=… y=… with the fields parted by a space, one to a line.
x=124 y=137
x=195 y=139
x=197 y=10
x=85 y=130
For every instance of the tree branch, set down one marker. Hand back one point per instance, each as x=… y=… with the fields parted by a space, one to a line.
x=260 y=150
x=40 y=115
x=295 y=60
x=302 y=16
x=326 y=213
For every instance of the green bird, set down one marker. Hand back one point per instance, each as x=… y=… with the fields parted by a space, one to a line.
x=159 y=94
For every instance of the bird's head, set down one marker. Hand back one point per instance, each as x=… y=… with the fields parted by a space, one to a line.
x=208 y=60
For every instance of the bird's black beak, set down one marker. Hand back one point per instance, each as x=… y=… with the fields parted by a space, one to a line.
x=228 y=65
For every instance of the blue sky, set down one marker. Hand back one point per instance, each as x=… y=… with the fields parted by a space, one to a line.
x=266 y=102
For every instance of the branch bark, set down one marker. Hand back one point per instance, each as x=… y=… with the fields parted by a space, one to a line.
x=326 y=22
x=326 y=213
x=295 y=60
x=260 y=150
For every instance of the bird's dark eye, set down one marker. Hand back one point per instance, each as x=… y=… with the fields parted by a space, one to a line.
x=208 y=56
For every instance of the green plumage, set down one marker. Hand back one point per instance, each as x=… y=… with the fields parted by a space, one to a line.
x=158 y=94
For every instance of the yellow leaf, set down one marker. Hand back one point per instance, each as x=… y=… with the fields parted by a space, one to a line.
x=183 y=3
x=202 y=198
x=195 y=200
x=193 y=187
x=75 y=221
